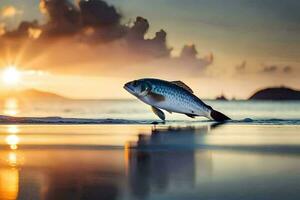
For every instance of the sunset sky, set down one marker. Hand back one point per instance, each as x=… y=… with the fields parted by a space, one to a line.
x=89 y=48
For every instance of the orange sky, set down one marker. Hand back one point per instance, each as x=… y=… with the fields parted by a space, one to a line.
x=74 y=51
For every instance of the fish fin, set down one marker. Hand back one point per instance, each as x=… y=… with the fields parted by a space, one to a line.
x=217 y=116
x=156 y=97
x=159 y=113
x=191 y=115
x=169 y=111
x=183 y=85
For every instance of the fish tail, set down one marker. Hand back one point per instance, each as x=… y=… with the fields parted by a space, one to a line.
x=218 y=116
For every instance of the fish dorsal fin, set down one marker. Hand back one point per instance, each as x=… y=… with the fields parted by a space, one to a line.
x=159 y=113
x=169 y=111
x=183 y=85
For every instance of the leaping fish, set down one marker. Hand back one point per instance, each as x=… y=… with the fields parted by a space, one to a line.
x=172 y=96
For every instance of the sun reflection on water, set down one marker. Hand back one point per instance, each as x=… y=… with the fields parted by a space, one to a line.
x=126 y=157
x=9 y=174
x=9 y=183
x=12 y=159
x=12 y=141
x=13 y=129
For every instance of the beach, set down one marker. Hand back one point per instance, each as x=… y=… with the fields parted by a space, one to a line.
x=204 y=160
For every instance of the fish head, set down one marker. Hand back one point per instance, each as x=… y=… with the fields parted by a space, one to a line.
x=138 y=88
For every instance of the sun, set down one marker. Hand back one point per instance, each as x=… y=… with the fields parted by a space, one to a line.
x=11 y=75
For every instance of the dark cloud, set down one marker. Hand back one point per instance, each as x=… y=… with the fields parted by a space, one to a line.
x=137 y=32
x=103 y=19
x=97 y=13
x=91 y=32
x=64 y=17
x=156 y=46
x=94 y=21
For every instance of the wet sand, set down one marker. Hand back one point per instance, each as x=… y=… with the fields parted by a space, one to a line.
x=205 y=161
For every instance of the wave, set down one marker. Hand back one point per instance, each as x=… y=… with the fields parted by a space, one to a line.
x=61 y=120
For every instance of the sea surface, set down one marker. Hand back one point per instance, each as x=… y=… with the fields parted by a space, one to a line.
x=111 y=150
x=134 y=111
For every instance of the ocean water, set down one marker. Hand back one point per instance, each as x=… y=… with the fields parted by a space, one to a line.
x=109 y=150
x=134 y=111
x=122 y=162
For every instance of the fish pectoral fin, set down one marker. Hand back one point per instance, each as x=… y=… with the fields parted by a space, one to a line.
x=156 y=97
x=183 y=85
x=191 y=115
x=159 y=113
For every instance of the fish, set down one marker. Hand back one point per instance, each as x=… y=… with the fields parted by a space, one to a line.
x=172 y=96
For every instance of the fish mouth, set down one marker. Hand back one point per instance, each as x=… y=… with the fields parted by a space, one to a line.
x=129 y=88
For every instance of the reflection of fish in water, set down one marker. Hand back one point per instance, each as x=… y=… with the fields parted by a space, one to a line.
x=172 y=96
x=171 y=138
x=167 y=159
x=178 y=138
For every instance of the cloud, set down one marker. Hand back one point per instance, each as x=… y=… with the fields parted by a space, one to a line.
x=89 y=38
x=138 y=30
x=94 y=21
x=189 y=51
x=270 y=69
x=189 y=54
x=156 y=46
x=276 y=68
x=10 y=11
x=97 y=13
x=64 y=17
x=287 y=69
x=190 y=63
x=22 y=30
x=2 y=29
x=34 y=33
x=241 y=67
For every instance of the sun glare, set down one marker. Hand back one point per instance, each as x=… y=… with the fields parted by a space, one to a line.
x=11 y=75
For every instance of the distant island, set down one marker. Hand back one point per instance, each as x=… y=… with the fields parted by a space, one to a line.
x=221 y=98
x=31 y=94
x=276 y=93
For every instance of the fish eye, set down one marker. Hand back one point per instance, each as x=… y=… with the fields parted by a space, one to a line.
x=143 y=87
